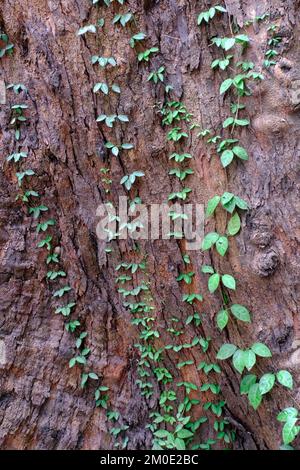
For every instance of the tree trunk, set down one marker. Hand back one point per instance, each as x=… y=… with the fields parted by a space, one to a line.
x=42 y=405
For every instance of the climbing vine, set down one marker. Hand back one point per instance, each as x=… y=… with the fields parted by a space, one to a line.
x=172 y=422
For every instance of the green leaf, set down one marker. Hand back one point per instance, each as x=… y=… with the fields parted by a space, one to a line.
x=249 y=358
x=222 y=245
x=240 y=152
x=266 y=383
x=209 y=240
x=211 y=205
x=229 y=281
x=242 y=122
x=261 y=350
x=287 y=413
x=179 y=444
x=285 y=378
x=93 y=376
x=213 y=282
x=242 y=39
x=228 y=43
x=241 y=312
x=234 y=225
x=206 y=269
x=226 y=198
x=227 y=157
x=222 y=319
x=254 y=396
x=115 y=88
x=184 y=434
x=238 y=360
x=289 y=430
x=228 y=122
x=161 y=433
x=246 y=383
x=226 y=350
x=225 y=85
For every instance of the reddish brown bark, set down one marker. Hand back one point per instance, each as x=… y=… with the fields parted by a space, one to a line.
x=41 y=403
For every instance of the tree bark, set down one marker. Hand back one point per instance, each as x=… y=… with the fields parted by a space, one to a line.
x=41 y=404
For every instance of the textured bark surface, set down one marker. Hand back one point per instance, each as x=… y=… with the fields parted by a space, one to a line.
x=41 y=403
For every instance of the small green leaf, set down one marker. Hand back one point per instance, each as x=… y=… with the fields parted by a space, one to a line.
x=179 y=444
x=226 y=350
x=225 y=85
x=241 y=312
x=240 y=152
x=161 y=433
x=254 y=396
x=249 y=358
x=234 y=225
x=229 y=281
x=213 y=282
x=227 y=157
x=206 y=269
x=238 y=361
x=266 y=383
x=184 y=434
x=211 y=205
x=246 y=383
x=93 y=376
x=222 y=245
x=285 y=378
x=289 y=430
x=222 y=319
x=209 y=240
x=261 y=350
x=287 y=413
